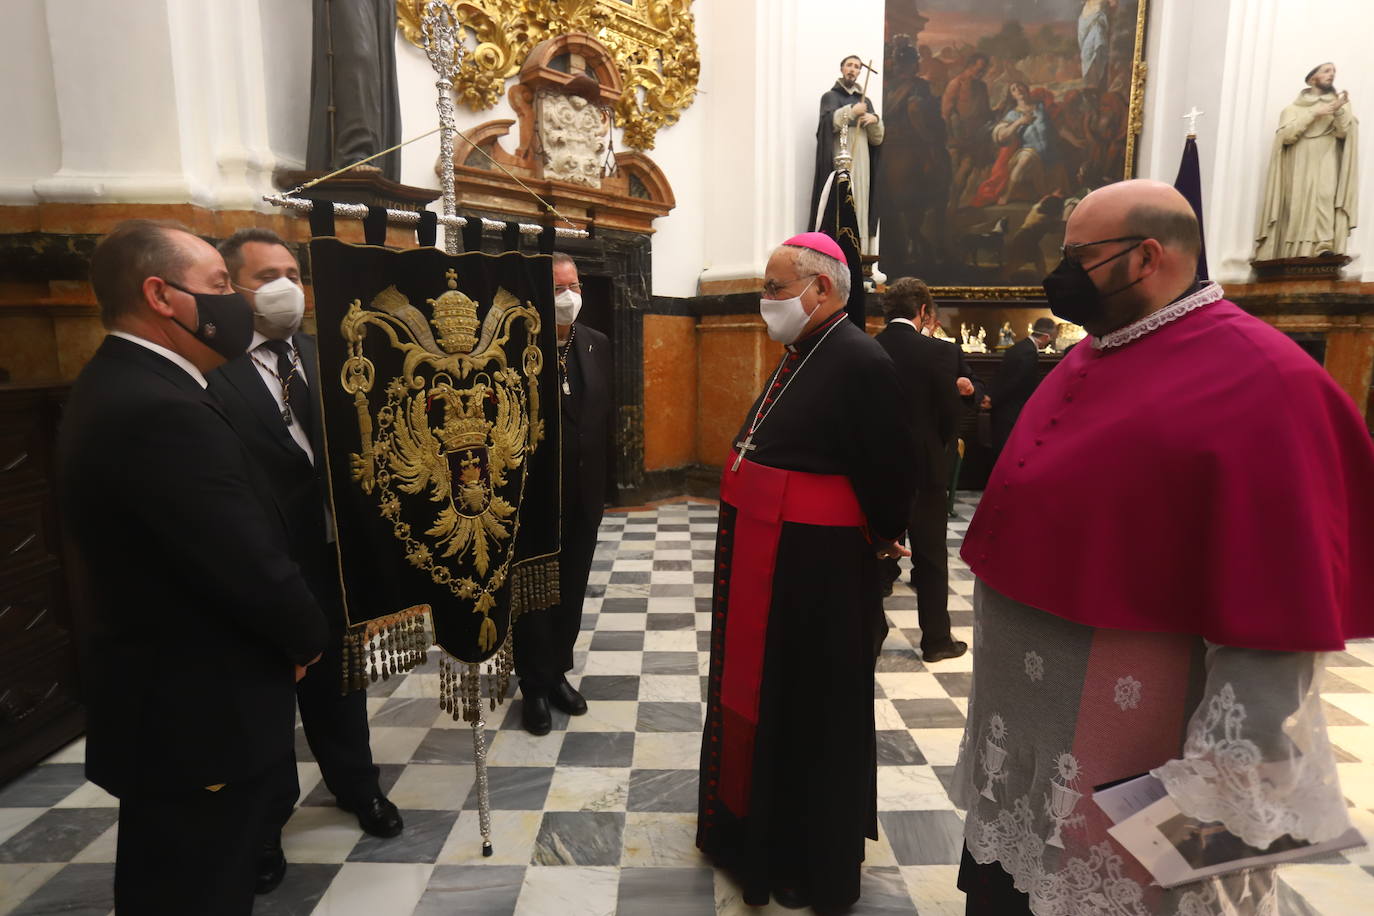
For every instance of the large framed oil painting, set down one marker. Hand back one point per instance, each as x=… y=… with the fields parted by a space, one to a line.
x=1001 y=115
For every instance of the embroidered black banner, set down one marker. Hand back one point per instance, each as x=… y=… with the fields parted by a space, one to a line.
x=840 y=220
x=441 y=421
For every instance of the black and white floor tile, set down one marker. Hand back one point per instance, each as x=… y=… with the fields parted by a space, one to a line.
x=599 y=816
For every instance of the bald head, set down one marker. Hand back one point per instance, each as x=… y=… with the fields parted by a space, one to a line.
x=1146 y=236
x=1140 y=207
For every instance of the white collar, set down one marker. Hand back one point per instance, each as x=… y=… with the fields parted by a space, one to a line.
x=906 y=321
x=260 y=338
x=1210 y=292
x=162 y=351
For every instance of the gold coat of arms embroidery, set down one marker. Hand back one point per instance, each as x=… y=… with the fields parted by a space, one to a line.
x=454 y=432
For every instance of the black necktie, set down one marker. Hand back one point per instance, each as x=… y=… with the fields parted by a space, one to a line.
x=294 y=392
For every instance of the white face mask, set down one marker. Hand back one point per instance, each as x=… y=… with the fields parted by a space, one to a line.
x=278 y=307
x=566 y=305
x=785 y=317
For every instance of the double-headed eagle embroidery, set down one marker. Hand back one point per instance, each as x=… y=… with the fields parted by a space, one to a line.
x=452 y=438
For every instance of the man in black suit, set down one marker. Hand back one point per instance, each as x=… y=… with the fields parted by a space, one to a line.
x=544 y=639
x=1017 y=378
x=928 y=370
x=973 y=393
x=971 y=388
x=270 y=395
x=199 y=616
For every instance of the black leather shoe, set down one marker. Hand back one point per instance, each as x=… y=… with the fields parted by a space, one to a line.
x=535 y=715
x=377 y=816
x=791 y=897
x=566 y=698
x=271 y=869
x=954 y=649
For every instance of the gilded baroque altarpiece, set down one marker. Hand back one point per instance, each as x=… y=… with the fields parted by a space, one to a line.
x=653 y=41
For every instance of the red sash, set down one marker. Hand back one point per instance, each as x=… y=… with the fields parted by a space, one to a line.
x=763 y=498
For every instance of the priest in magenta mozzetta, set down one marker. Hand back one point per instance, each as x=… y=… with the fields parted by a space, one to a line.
x=814 y=490
x=1175 y=536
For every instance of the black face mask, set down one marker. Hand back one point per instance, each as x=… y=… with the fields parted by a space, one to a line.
x=224 y=321
x=1072 y=294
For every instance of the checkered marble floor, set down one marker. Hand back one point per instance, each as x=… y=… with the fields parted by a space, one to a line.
x=599 y=816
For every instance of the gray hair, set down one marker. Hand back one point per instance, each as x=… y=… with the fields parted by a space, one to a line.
x=810 y=261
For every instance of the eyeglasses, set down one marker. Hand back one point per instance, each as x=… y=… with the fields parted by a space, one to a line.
x=1070 y=252
x=563 y=288
x=772 y=288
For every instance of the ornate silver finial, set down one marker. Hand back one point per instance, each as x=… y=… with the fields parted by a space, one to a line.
x=844 y=158
x=445 y=53
x=1191 y=117
x=440 y=30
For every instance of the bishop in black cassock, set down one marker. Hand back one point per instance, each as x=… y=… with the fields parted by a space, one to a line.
x=815 y=490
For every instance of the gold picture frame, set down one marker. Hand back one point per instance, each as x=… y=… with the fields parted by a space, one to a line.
x=653 y=42
x=962 y=244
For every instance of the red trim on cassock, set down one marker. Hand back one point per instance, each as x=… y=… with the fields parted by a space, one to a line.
x=764 y=498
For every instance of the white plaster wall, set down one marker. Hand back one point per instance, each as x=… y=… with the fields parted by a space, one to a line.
x=736 y=67
x=679 y=241
x=210 y=93
x=1186 y=45
x=153 y=101
x=31 y=143
x=285 y=50
x=116 y=104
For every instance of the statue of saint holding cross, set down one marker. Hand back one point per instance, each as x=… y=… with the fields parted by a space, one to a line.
x=847 y=113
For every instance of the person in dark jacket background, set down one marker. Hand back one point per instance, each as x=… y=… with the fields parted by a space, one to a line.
x=1017 y=378
x=271 y=396
x=544 y=639
x=928 y=369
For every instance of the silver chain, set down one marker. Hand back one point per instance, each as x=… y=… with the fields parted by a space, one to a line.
x=762 y=414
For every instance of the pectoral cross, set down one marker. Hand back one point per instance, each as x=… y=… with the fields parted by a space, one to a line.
x=1191 y=117
x=746 y=446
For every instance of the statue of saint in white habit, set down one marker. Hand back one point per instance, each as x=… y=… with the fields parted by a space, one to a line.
x=1311 y=194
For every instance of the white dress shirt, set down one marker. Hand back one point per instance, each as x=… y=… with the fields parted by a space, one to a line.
x=266 y=362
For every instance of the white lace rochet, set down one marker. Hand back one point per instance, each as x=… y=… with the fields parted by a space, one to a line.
x=1254 y=757
x=1263 y=767
x=1209 y=293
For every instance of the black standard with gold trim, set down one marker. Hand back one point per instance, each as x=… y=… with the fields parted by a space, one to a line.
x=442 y=444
